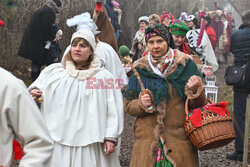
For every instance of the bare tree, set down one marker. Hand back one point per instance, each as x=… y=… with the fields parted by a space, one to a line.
x=17 y=19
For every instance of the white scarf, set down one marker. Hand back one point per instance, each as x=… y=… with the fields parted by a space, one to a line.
x=155 y=69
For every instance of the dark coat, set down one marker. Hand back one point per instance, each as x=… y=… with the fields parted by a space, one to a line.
x=240 y=47
x=110 y=10
x=240 y=43
x=37 y=32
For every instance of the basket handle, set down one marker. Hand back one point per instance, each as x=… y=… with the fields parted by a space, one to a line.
x=186 y=106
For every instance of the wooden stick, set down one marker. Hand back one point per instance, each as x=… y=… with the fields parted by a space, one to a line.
x=246 y=138
x=129 y=60
x=144 y=91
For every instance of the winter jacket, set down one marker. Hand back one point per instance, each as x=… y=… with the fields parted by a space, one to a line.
x=38 y=31
x=114 y=19
x=240 y=47
x=211 y=34
x=240 y=43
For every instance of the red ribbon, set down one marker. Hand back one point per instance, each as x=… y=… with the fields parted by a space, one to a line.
x=18 y=152
x=196 y=115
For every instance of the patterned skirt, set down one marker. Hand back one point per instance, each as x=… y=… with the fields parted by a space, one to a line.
x=162 y=160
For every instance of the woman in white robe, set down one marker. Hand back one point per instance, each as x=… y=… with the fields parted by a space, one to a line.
x=82 y=106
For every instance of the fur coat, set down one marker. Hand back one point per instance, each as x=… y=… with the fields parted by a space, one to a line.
x=167 y=120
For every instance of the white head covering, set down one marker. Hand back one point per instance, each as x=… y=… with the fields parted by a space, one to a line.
x=143 y=18
x=85 y=34
x=83 y=21
x=190 y=18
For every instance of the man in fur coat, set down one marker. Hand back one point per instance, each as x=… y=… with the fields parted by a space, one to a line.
x=38 y=34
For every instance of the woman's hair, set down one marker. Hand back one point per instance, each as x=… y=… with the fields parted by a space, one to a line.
x=68 y=56
x=195 y=21
x=155 y=17
x=144 y=22
x=208 y=19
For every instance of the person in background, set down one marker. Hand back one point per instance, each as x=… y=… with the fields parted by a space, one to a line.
x=82 y=135
x=118 y=15
x=154 y=19
x=139 y=44
x=228 y=31
x=179 y=31
x=204 y=49
x=231 y=20
x=240 y=47
x=192 y=22
x=169 y=76
x=34 y=45
x=210 y=31
x=54 y=49
x=221 y=38
x=183 y=16
x=167 y=19
x=114 y=18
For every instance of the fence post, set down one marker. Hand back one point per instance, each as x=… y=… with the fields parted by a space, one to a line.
x=246 y=139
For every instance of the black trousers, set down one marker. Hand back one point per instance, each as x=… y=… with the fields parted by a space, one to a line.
x=35 y=71
x=240 y=99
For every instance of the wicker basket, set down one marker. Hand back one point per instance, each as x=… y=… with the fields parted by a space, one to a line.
x=215 y=130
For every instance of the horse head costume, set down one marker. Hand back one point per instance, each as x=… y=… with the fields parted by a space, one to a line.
x=102 y=20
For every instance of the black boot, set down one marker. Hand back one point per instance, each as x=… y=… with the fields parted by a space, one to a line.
x=235 y=156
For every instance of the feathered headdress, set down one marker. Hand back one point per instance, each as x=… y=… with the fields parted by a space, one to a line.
x=83 y=21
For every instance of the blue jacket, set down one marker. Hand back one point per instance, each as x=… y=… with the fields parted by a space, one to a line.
x=114 y=19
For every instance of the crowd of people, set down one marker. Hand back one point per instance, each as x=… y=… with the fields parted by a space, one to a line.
x=73 y=112
x=186 y=30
